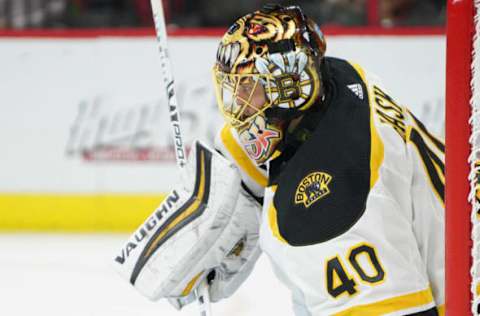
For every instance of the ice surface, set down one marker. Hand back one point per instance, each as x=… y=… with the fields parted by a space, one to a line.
x=71 y=275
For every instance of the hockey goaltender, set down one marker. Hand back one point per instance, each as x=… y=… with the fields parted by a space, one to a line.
x=318 y=168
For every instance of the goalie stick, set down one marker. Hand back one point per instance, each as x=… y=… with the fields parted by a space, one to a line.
x=201 y=293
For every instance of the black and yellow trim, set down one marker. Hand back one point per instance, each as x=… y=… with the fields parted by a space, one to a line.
x=390 y=305
x=437 y=142
x=433 y=165
x=272 y=219
x=359 y=71
x=377 y=151
x=376 y=144
x=193 y=208
x=441 y=310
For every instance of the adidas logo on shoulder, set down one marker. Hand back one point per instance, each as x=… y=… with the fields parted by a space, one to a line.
x=357 y=89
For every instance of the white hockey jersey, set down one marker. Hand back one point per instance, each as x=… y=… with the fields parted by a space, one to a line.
x=353 y=219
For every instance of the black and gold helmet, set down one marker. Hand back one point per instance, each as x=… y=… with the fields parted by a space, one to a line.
x=277 y=50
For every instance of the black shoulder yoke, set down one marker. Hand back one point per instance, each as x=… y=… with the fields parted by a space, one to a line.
x=323 y=184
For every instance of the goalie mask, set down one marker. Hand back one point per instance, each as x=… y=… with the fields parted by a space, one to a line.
x=267 y=73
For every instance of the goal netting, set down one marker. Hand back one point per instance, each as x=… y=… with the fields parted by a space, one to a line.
x=463 y=158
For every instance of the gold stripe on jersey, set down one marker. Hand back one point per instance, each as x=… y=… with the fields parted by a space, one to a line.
x=441 y=310
x=272 y=219
x=390 y=305
x=360 y=71
x=241 y=158
x=377 y=149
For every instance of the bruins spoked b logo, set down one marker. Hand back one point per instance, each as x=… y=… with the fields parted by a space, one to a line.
x=312 y=188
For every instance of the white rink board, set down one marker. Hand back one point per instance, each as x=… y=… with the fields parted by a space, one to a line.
x=63 y=101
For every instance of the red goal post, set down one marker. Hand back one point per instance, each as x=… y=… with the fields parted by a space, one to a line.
x=460 y=290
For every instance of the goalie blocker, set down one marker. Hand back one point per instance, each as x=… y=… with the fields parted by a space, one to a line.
x=207 y=223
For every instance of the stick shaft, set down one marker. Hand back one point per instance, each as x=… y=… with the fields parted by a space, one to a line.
x=202 y=294
x=168 y=82
x=203 y=298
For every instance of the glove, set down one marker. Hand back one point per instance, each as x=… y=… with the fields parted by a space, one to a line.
x=238 y=265
x=196 y=229
x=235 y=268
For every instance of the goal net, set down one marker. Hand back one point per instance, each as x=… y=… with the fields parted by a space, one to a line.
x=463 y=159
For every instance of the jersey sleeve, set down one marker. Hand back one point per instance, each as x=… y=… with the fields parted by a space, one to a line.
x=427 y=155
x=254 y=178
x=426 y=158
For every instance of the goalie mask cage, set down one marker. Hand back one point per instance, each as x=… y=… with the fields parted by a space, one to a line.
x=463 y=159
